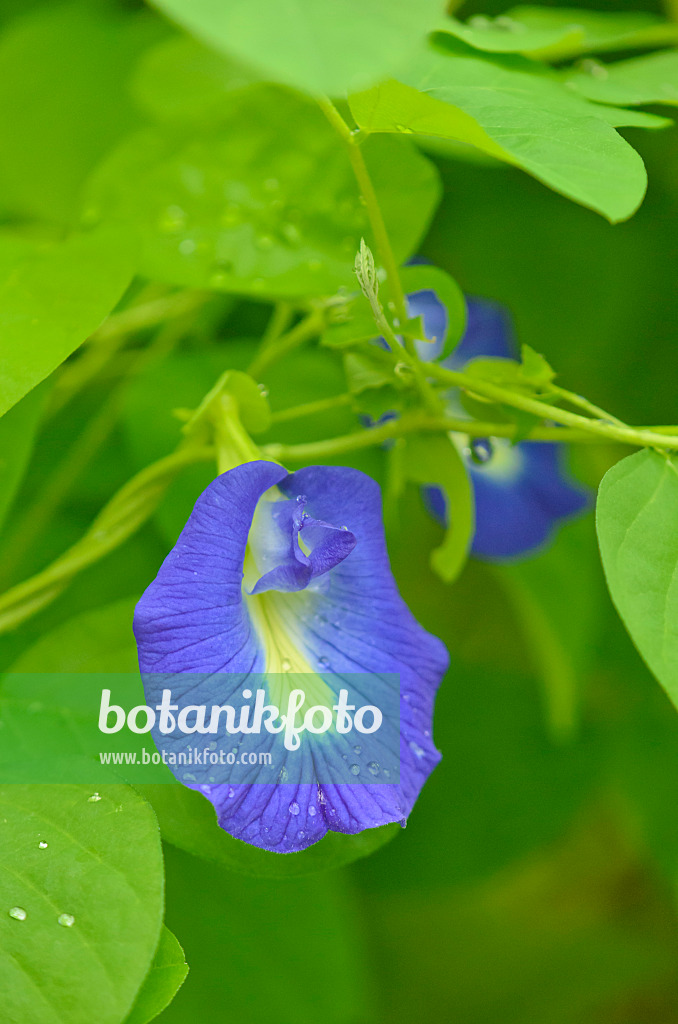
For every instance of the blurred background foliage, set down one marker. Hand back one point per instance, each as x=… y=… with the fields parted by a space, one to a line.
x=536 y=878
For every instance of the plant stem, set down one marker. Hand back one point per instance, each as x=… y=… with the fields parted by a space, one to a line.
x=124 y=514
x=311 y=408
x=417 y=423
x=610 y=431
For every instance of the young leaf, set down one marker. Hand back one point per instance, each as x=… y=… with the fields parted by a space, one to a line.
x=88 y=904
x=637 y=512
x=652 y=79
x=243 y=209
x=52 y=300
x=518 y=112
x=163 y=981
x=434 y=461
x=310 y=44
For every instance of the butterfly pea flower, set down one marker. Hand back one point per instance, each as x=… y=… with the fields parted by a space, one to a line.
x=278 y=582
x=523 y=491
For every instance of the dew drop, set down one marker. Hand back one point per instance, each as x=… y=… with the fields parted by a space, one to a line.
x=357 y=750
x=172 y=219
x=311 y=811
x=291 y=233
x=66 y=920
x=416 y=749
x=294 y=808
x=321 y=797
x=42 y=845
x=301 y=499
x=94 y=798
x=263 y=390
x=231 y=792
x=18 y=913
x=481 y=450
x=373 y=768
x=286 y=664
x=355 y=769
x=324 y=663
x=301 y=835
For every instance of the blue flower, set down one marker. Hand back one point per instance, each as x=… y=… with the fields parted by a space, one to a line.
x=521 y=491
x=278 y=578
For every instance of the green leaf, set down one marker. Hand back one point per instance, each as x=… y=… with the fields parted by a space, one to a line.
x=180 y=80
x=435 y=461
x=652 y=79
x=535 y=368
x=310 y=44
x=558 y=33
x=165 y=978
x=63 y=101
x=188 y=820
x=518 y=112
x=52 y=300
x=18 y=428
x=102 y=868
x=636 y=519
x=243 y=208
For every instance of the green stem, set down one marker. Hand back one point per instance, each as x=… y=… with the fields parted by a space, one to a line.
x=311 y=408
x=416 y=423
x=583 y=403
x=113 y=334
x=85 y=448
x=609 y=431
x=372 y=207
x=124 y=514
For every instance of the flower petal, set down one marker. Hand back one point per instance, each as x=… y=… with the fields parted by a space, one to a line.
x=348 y=625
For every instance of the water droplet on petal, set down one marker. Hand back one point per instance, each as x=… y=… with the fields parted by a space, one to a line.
x=94 y=798
x=357 y=749
x=66 y=920
x=294 y=808
x=324 y=663
x=416 y=749
x=373 y=768
x=355 y=769
x=18 y=913
x=301 y=499
x=312 y=811
x=286 y=664
x=42 y=845
x=231 y=792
